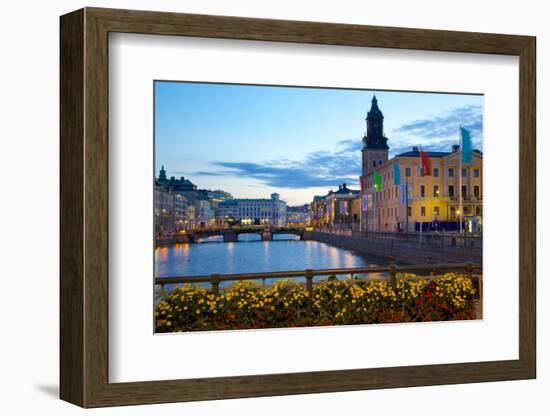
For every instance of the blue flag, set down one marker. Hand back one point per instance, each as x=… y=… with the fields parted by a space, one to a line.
x=396 y=173
x=466 y=145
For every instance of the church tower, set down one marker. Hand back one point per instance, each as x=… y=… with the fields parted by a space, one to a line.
x=162 y=175
x=375 y=144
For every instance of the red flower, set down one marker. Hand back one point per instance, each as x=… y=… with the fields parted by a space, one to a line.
x=420 y=301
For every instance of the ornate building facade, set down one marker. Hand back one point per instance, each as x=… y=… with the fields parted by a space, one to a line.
x=337 y=208
x=249 y=211
x=419 y=202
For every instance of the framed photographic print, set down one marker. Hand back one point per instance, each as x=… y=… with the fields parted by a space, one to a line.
x=231 y=185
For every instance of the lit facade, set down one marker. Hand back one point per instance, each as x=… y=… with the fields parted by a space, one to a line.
x=201 y=204
x=271 y=211
x=432 y=202
x=299 y=216
x=341 y=207
x=170 y=211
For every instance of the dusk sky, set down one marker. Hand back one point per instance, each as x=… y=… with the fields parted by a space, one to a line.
x=300 y=142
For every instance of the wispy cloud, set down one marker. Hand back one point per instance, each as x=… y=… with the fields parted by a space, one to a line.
x=343 y=163
x=440 y=132
x=317 y=169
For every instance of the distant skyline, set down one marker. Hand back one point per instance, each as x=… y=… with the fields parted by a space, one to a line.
x=299 y=142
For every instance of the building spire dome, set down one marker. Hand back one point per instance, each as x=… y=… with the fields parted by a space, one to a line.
x=162 y=174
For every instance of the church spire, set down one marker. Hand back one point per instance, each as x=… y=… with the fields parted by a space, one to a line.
x=375 y=138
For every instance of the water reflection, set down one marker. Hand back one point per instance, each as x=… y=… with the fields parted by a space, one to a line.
x=251 y=255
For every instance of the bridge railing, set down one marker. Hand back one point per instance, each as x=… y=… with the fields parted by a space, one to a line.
x=430 y=270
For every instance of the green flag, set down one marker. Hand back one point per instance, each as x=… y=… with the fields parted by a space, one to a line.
x=377 y=182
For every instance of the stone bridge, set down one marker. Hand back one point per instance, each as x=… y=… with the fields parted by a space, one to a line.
x=232 y=234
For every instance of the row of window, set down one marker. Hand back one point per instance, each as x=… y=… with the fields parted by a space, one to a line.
x=451 y=191
x=435 y=174
x=450 y=172
x=391 y=212
x=391 y=193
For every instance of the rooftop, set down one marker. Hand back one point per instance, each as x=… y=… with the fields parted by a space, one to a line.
x=415 y=152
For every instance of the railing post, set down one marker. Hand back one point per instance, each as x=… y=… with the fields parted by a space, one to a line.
x=393 y=274
x=469 y=268
x=215 y=281
x=309 y=288
x=480 y=294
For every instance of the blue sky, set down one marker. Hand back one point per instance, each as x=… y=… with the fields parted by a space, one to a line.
x=300 y=142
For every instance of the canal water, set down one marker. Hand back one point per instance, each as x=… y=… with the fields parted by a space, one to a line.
x=249 y=254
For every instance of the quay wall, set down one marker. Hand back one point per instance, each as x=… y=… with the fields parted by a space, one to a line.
x=402 y=252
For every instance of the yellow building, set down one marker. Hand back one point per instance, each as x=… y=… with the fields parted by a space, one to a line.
x=432 y=202
x=341 y=208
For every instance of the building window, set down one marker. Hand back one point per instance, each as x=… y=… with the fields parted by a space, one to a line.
x=476 y=173
x=464 y=172
x=436 y=211
x=451 y=172
x=476 y=191
x=436 y=190
x=478 y=210
x=374 y=163
x=422 y=191
x=453 y=212
x=451 y=191
x=407 y=171
x=409 y=211
x=464 y=191
x=422 y=172
x=379 y=162
x=422 y=211
x=436 y=172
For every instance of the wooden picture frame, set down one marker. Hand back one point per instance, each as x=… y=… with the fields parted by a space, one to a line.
x=84 y=207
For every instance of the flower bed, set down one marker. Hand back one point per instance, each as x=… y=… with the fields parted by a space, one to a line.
x=246 y=304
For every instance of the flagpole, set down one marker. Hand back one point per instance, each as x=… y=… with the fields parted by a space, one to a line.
x=460 y=181
x=421 y=170
x=407 y=202
x=361 y=207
